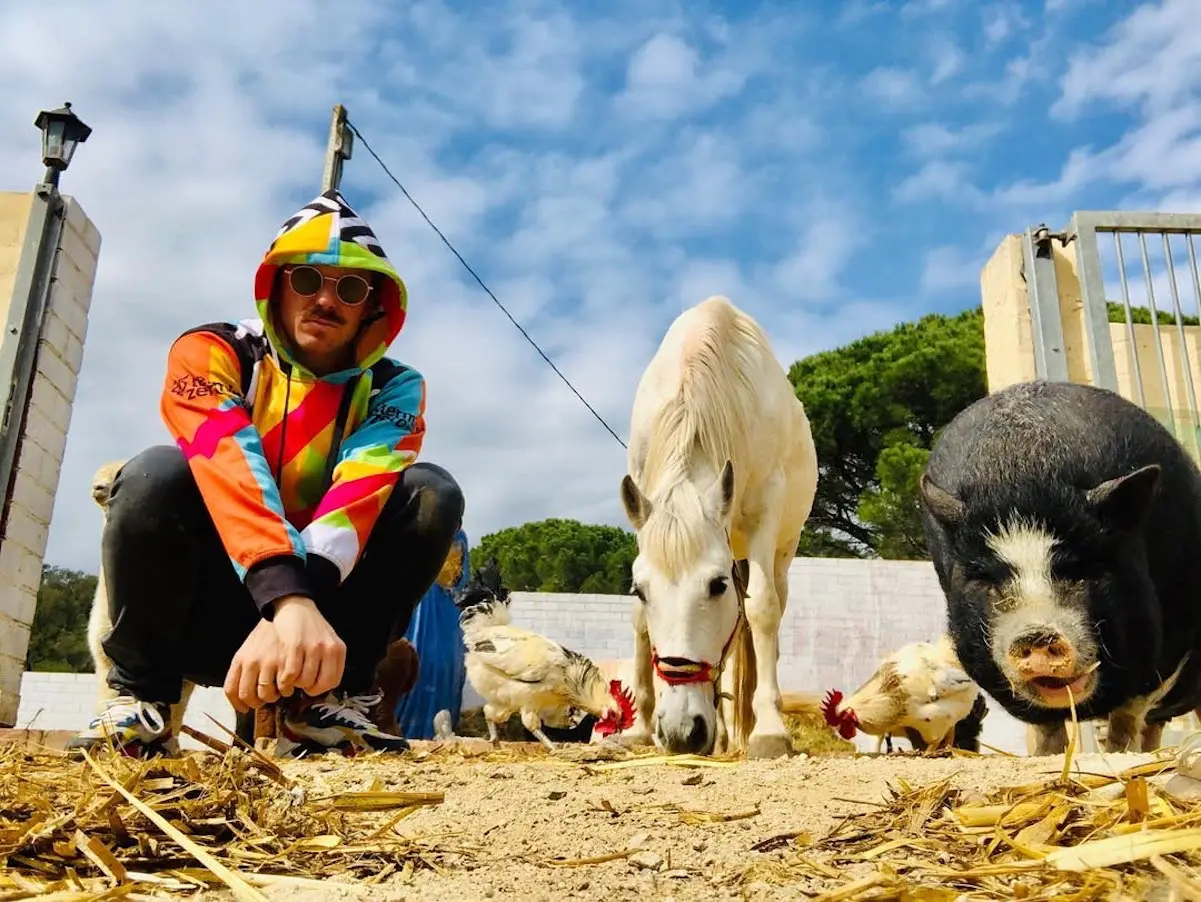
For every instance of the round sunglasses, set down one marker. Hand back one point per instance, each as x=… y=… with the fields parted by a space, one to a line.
x=351 y=289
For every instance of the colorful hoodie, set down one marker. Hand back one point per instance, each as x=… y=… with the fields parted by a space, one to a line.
x=295 y=468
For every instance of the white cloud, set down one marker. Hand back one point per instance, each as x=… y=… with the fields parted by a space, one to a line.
x=703 y=187
x=918 y=8
x=935 y=139
x=895 y=87
x=666 y=78
x=1003 y=21
x=937 y=180
x=854 y=13
x=948 y=60
x=827 y=243
x=1146 y=65
x=1152 y=59
x=949 y=268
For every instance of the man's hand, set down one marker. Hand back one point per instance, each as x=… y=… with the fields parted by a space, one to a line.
x=298 y=649
x=312 y=654
x=251 y=680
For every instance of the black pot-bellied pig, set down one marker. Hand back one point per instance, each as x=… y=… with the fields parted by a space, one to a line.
x=1065 y=527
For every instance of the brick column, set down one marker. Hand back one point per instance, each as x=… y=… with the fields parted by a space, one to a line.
x=59 y=357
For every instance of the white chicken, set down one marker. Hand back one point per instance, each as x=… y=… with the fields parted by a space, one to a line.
x=920 y=690
x=516 y=670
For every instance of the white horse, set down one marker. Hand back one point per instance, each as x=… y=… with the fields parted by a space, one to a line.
x=722 y=470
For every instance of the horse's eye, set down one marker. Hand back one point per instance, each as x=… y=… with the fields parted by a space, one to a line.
x=641 y=597
x=717 y=587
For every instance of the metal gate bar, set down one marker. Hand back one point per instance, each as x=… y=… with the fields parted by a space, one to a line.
x=1050 y=360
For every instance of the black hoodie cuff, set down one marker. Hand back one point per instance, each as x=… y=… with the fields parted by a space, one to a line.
x=275 y=578
x=323 y=575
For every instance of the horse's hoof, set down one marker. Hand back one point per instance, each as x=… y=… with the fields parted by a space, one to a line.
x=769 y=745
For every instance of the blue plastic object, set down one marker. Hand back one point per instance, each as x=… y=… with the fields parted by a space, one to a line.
x=435 y=633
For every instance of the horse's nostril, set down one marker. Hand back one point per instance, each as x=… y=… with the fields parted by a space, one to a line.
x=699 y=732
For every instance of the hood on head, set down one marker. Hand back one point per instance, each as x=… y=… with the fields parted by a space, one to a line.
x=329 y=232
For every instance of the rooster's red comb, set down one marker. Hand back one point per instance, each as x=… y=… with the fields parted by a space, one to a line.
x=625 y=700
x=847 y=722
x=830 y=707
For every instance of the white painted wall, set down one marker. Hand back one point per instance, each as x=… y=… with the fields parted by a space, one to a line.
x=843 y=617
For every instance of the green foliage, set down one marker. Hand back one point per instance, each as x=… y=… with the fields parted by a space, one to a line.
x=1117 y=314
x=891 y=506
x=875 y=407
x=59 y=639
x=558 y=555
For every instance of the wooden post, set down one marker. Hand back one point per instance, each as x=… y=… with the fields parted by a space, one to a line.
x=338 y=149
x=266 y=727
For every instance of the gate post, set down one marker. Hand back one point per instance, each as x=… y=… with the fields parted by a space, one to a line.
x=44 y=357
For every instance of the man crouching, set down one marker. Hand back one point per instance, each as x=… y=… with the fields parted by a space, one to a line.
x=284 y=541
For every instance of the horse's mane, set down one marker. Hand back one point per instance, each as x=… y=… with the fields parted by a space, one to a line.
x=703 y=419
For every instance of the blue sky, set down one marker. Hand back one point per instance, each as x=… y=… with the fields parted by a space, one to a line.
x=833 y=168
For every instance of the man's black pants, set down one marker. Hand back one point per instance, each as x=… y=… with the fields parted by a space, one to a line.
x=180 y=612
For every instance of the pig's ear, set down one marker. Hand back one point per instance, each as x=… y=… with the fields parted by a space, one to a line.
x=944 y=506
x=1125 y=500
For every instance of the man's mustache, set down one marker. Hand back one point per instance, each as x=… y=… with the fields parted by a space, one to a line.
x=332 y=319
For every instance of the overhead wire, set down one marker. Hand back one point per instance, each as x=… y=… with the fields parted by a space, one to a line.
x=359 y=135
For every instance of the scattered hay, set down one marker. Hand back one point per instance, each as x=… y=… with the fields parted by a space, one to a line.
x=1070 y=838
x=1077 y=838
x=114 y=827
x=107 y=824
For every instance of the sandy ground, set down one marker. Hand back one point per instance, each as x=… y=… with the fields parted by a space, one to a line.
x=502 y=824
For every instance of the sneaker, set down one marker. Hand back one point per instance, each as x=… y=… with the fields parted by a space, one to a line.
x=334 y=723
x=132 y=727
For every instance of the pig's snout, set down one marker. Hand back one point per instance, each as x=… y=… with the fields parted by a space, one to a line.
x=1042 y=653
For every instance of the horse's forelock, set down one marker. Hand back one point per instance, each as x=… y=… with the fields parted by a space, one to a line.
x=676 y=535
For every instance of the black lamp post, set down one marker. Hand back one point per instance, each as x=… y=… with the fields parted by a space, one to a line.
x=62 y=132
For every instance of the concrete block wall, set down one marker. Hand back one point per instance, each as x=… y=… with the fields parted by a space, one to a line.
x=59 y=358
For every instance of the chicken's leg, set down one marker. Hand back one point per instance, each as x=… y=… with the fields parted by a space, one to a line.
x=493 y=716
x=937 y=745
x=532 y=722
